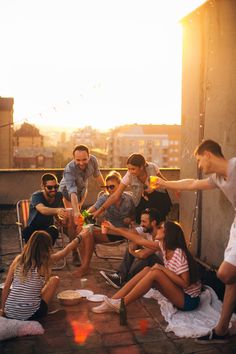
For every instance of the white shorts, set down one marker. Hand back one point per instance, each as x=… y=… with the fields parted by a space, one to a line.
x=230 y=252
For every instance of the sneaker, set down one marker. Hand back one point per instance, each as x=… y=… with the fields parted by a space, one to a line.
x=103 y=308
x=212 y=338
x=113 y=304
x=113 y=279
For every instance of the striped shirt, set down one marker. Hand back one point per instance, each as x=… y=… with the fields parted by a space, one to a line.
x=179 y=264
x=25 y=296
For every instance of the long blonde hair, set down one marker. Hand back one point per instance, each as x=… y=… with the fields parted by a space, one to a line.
x=36 y=255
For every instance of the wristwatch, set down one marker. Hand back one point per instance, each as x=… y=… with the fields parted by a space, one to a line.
x=78 y=238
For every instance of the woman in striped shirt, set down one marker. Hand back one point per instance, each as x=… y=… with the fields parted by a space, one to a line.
x=28 y=288
x=177 y=279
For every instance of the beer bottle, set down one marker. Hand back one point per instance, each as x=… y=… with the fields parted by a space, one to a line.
x=123 y=314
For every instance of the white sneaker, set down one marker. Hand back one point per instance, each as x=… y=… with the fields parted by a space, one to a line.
x=113 y=303
x=102 y=308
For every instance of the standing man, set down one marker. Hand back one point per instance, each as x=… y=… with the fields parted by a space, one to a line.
x=74 y=186
x=210 y=160
x=136 y=258
x=45 y=204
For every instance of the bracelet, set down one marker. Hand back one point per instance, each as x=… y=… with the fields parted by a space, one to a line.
x=78 y=238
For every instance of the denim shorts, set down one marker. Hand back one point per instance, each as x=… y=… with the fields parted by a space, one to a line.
x=190 y=303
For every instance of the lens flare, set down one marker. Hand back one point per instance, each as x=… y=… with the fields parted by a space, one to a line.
x=143 y=326
x=81 y=331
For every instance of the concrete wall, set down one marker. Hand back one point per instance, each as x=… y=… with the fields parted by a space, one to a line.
x=20 y=184
x=208 y=112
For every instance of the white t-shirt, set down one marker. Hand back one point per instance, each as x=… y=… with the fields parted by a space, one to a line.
x=228 y=186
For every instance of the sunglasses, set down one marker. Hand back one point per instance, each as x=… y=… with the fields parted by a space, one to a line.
x=50 y=188
x=111 y=187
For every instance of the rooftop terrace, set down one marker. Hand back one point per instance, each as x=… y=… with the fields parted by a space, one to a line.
x=107 y=336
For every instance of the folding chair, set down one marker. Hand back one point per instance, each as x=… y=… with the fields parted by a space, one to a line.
x=22 y=213
x=108 y=244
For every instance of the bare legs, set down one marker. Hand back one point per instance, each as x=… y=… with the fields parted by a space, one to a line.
x=72 y=231
x=227 y=274
x=49 y=289
x=144 y=280
x=86 y=250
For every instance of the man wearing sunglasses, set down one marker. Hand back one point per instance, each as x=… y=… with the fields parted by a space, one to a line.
x=120 y=214
x=45 y=204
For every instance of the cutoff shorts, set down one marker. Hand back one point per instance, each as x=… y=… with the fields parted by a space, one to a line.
x=230 y=252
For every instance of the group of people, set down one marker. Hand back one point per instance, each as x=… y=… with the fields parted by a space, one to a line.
x=157 y=254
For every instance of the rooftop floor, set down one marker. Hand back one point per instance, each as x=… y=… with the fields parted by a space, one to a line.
x=107 y=336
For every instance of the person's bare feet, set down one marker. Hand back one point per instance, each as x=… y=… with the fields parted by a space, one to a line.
x=80 y=272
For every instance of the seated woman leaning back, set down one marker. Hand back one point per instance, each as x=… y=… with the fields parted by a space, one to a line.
x=177 y=279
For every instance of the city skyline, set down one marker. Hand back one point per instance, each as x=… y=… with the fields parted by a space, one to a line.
x=74 y=63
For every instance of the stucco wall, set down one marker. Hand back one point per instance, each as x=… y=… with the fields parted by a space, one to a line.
x=209 y=112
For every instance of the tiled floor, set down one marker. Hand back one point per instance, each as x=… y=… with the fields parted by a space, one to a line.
x=106 y=334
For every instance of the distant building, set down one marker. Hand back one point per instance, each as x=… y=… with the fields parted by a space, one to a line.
x=34 y=157
x=158 y=143
x=28 y=136
x=6 y=132
x=29 y=150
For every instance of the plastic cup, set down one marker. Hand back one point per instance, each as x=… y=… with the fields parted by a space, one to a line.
x=88 y=226
x=153 y=182
x=83 y=282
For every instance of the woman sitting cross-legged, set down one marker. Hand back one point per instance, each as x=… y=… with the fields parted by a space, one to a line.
x=28 y=288
x=177 y=280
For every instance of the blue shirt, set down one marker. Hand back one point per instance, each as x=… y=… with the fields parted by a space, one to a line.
x=116 y=215
x=36 y=219
x=75 y=180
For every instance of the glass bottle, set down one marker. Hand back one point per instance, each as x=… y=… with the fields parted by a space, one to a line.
x=123 y=313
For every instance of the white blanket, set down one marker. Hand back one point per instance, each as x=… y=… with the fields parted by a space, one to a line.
x=10 y=328
x=192 y=324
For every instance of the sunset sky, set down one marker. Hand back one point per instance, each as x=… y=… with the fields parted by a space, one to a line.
x=93 y=62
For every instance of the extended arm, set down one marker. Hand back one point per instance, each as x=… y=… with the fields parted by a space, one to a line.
x=42 y=209
x=142 y=253
x=66 y=250
x=111 y=200
x=185 y=184
x=132 y=236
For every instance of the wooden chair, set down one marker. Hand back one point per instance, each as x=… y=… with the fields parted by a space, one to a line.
x=22 y=214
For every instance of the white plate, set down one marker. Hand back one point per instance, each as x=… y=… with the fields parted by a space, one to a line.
x=85 y=293
x=96 y=298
